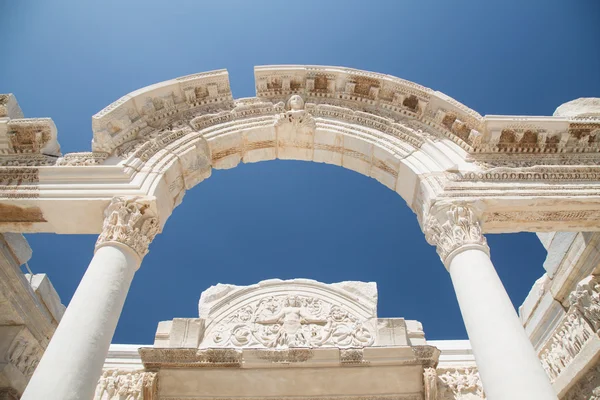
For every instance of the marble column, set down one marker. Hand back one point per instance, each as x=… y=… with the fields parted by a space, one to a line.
x=72 y=363
x=508 y=365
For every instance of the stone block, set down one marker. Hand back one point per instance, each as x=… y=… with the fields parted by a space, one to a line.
x=49 y=298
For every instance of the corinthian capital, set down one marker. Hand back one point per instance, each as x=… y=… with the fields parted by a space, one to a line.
x=129 y=222
x=454 y=228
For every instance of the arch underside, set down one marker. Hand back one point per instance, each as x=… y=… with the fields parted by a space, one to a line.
x=522 y=173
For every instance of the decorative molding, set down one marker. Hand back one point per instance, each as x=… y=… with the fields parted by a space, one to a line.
x=373 y=397
x=82 y=159
x=427 y=355
x=154 y=358
x=27 y=160
x=32 y=136
x=127 y=221
x=455 y=383
x=430 y=383
x=128 y=385
x=352 y=356
x=538 y=173
x=453 y=228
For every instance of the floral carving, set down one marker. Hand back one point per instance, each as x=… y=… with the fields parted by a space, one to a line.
x=127 y=221
x=586 y=298
x=458 y=382
x=125 y=385
x=458 y=226
x=292 y=321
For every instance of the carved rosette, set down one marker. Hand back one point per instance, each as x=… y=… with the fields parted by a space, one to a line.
x=454 y=228
x=128 y=221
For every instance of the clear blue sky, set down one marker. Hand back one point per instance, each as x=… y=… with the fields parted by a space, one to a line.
x=69 y=59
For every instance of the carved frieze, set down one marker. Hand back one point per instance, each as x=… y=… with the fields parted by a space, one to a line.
x=283 y=321
x=588 y=386
x=586 y=299
x=190 y=358
x=82 y=159
x=575 y=329
x=127 y=385
x=458 y=383
x=452 y=228
x=25 y=355
x=565 y=344
x=129 y=222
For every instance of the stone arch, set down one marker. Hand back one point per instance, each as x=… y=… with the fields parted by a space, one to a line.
x=174 y=133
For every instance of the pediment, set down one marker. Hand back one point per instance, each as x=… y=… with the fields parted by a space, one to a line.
x=294 y=313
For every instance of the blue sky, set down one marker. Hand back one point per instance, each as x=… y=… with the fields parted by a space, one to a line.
x=284 y=219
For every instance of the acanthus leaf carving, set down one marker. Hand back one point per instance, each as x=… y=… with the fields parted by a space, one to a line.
x=128 y=221
x=455 y=383
x=455 y=227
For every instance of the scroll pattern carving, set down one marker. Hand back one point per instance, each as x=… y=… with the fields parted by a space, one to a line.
x=575 y=329
x=127 y=221
x=124 y=385
x=458 y=383
x=292 y=321
x=456 y=228
x=25 y=356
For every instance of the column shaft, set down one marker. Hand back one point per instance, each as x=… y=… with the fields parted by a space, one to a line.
x=507 y=363
x=72 y=363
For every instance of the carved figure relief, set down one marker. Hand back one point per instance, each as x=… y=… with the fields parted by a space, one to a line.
x=296 y=115
x=588 y=386
x=292 y=321
x=295 y=131
x=575 y=329
x=25 y=356
x=122 y=385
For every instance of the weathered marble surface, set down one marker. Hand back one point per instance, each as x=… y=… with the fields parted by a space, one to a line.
x=30 y=310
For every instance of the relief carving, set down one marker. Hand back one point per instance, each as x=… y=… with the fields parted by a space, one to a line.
x=124 y=385
x=458 y=226
x=25 y=356
x=127 y=221
x=575 y=329
x=459 y=383
x=296 y=115
x=586 y=298
x=587 y=388
x=292 y=321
